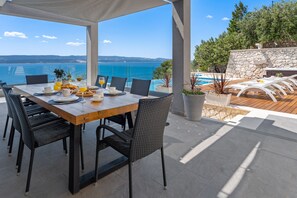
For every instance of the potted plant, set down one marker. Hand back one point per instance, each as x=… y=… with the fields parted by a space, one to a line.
x=67 y=78
x=69 y=75
x=164 y=72
x=193 y=100
x=59 y=73
x=219 y=95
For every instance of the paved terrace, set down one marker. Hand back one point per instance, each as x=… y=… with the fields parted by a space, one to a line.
x=256 y=158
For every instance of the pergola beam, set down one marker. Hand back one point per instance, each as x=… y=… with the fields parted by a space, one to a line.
x=26 y=12
x=180 y=30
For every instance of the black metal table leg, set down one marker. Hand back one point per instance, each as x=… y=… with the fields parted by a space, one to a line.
x=130 y=120
x=74 y=176
x=77 y=182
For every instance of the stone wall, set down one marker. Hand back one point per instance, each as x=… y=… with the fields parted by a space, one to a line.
x=251 y=63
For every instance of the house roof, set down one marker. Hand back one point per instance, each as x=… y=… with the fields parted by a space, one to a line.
x=79 y=12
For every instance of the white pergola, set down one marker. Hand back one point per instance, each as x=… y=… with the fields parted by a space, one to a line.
x=89 y=13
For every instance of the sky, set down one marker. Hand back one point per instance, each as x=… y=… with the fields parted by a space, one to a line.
x=143 y=34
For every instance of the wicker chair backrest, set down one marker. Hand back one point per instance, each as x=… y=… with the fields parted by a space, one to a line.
x=36 y=79
x=149 y=126
x=140 y=87
x=119 y=83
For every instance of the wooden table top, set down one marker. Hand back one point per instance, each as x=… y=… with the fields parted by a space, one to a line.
x=77 y=113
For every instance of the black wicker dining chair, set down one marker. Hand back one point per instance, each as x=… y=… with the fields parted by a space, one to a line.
x=97 y=81
x=30 y=109
x=7 y=116
x=26 y=103
x=37 y=120
x=118 y=82
x=138 y=87
x=34 y=121
x=36 y=79
x=36 y=136
x=145 y=138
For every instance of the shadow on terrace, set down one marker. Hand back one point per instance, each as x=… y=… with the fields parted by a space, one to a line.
x=256 y=158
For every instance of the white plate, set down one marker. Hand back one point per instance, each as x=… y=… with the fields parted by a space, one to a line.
x=65 y=99
x=114 y=92
x=94 y=100
x=93 y=87
x=43 y=92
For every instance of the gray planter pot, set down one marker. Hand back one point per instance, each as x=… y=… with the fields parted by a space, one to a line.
x=193 y=105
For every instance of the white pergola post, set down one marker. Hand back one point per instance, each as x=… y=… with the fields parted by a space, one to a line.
x=92 y=53
x=181 y=55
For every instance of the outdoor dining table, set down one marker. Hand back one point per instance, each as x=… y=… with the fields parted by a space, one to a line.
x=78 y=114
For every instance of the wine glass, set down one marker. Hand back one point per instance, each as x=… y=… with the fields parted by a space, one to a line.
x=79 y=78
x=101 y=81
x=83 y=88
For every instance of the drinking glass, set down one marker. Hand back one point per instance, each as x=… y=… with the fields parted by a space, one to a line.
x=83 y=88
x=58 y=84
x=79 y=78
x=101 y=81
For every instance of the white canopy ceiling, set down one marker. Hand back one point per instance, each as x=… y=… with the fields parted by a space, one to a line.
x=80 y=12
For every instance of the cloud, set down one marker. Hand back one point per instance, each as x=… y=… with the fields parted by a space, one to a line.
x=75 y=44
x=44 y=41
x=106 y=41
x=49 y=37
x=15 y=34
x=209 y=16
x=225 y=19
x=37 y=36
x=0 y=37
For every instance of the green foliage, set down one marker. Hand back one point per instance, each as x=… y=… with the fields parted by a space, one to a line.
x=194 y=92
x=237 y=15
x=277 y=23
x=219 y=83
x=194 y=89
x=274 y=24
x=215 y=52
x=164 y=72
x=59 y=73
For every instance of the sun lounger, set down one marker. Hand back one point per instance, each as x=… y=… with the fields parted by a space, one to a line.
x=288 y=82
x=266 y=87
x=292 y=79
x=277 y=84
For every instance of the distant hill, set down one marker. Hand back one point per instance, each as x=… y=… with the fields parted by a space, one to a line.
x=71 y=59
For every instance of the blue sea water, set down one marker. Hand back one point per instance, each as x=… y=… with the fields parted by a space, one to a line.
x=14 y=73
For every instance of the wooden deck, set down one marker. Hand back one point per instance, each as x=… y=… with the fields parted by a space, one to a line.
x=287 y=104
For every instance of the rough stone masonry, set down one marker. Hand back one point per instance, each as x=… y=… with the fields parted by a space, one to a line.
x=251 y=63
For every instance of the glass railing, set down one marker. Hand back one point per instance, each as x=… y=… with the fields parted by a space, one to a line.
x=15 y=73
x=139 y=70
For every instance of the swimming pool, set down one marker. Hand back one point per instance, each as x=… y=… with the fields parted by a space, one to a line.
x=201 y=81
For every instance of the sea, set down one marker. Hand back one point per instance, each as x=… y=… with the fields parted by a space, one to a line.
x=14 y=73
